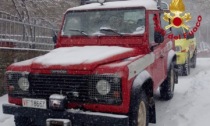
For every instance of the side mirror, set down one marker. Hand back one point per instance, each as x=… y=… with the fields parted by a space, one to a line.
x=54 y=38
x=190 y=36
x=158 y=37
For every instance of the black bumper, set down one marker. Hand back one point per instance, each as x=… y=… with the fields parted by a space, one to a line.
x=77 y=117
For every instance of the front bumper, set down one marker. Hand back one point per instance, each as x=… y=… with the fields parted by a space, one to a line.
x=77 y=117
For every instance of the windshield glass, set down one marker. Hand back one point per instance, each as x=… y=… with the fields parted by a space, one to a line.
x=179 y=32
x=104 y=22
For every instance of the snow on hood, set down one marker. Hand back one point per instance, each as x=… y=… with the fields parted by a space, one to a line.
x=78 y=57
x=25 y=63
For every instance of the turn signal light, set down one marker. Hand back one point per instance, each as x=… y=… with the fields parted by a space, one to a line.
x=184 y=50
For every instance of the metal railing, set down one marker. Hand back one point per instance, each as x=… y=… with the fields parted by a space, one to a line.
x=15 y=33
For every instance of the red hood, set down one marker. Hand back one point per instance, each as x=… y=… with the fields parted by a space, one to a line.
x=82 y=58
x=76 y=58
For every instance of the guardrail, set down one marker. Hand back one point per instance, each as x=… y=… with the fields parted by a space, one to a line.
x=15 y=33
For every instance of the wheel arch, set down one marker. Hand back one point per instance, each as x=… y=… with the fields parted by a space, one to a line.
x=172 y=57
x=143 y=81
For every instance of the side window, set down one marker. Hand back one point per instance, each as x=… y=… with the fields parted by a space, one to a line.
x=151 y=28
x=164 y=23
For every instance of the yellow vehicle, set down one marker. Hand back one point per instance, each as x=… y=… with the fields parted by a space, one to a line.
x=185 y=50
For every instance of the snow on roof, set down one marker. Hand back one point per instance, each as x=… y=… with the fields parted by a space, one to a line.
x=148 y=4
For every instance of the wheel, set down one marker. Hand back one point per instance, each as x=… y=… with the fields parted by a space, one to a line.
x=186 y=67
x=139 y=114
x=193 y=60
x=167 y=87
x=23 y=121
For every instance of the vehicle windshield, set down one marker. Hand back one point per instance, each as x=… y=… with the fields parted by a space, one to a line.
x=104 y=22
x=179 y=31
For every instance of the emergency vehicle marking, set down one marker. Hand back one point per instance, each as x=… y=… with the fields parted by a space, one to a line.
x=139 y=65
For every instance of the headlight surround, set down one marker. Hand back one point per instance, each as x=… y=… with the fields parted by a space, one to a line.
x=23 y=83
x=103 y=87
x=14 y=84
x=178 y=48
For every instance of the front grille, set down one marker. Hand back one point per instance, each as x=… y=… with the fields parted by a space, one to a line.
x=75 y=87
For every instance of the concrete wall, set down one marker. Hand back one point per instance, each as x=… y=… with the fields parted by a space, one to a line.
x=9 y=56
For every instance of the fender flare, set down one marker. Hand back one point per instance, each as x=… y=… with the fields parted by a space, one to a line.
x=141 y=82
x=172 y=58
x=140 y=79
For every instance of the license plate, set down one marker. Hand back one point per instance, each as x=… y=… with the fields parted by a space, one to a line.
x=58 y=122
x=34 y=103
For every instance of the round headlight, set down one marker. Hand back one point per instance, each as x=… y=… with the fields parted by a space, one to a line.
x=103 y=87
x=23 y=83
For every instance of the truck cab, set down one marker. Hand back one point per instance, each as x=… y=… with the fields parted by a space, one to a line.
x=109 y=59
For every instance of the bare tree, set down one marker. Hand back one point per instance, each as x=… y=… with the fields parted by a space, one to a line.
x=41 y=10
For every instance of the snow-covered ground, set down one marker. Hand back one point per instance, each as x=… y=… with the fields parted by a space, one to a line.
x=189 y=107
x=5 y=120
x=191 y=103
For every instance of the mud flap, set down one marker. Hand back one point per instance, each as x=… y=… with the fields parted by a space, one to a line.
x=152 y=111
x=176 y=70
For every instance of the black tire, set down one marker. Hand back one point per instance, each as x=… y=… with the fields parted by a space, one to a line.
x=23 y=121
x=167 y=87
x=193 y=60
x=186 y=67
x=139 y=111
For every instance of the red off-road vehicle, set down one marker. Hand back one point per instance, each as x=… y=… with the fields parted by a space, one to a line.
x=109 y=58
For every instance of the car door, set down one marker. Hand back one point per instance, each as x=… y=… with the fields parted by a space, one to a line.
x=158 y=69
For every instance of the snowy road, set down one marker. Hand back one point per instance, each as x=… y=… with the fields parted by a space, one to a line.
x=189 y=107
x=191 y=103
x=5 y=120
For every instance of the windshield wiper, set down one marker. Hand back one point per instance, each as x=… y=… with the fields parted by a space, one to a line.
x=80 y=31
x=110 y=30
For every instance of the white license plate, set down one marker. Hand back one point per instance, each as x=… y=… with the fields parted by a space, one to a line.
x=58 y=122
x=34 y=103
